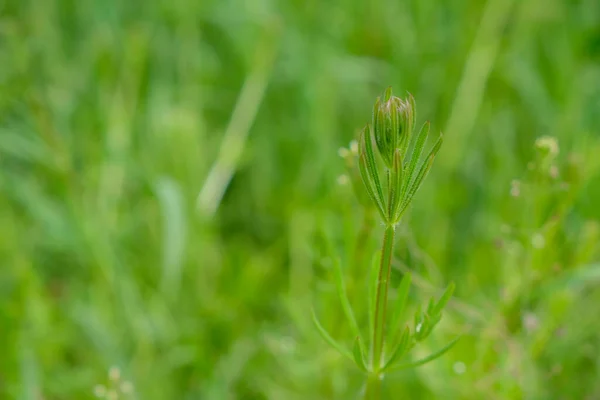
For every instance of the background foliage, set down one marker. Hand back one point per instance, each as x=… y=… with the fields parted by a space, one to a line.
x=120 y=247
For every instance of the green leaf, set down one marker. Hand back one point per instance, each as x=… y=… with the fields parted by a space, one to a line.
x=358 y=353
x=373 y=276
x=341 y=289
x=425 y=360
x=374 y=191
x=367 y=144
x=408 y=124
x=416 y=153
x=418 y=316
x=423 y=170
x=444 y=299
x=423 y=328
x=327 y=337
x=369 y=185
x=401 y=348
x=413 y=111
x=431 y=306
x=395 y=185
x=400 y=303
x=387 y=95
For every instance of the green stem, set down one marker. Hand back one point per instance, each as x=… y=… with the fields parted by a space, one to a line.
x=373 y=390
x=380 y=312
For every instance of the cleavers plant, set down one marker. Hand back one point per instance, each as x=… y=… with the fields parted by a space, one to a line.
x=391 y=168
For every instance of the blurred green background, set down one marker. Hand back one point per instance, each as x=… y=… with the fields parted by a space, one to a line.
x=169 y=174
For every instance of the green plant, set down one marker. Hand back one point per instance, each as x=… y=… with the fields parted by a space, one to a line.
x=397 y=157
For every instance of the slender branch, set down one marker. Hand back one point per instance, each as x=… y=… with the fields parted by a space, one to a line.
x=377 y=347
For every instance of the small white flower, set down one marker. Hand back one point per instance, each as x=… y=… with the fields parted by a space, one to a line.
x=547 y=143
x=112 y=395
x=126 y=387
x=538 y=241
x=100 y=391
x=343 y=180
x=343 y=152
x=114 y=374
x=515 y=188
x=354 y=147
x=530 y=321
x=459 y=368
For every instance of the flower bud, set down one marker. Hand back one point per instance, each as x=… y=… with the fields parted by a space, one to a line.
x=393 y=120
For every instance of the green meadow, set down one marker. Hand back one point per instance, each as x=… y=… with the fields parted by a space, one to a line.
x=172 y=196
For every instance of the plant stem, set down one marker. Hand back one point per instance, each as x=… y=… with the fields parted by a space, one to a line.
x=374 y=381
x=373 y=390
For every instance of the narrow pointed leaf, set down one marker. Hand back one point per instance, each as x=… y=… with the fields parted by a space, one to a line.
x=401 y=348
x=358 y=353
x=413 y=111
x=425 y=166
x=425 y=360
x=431 y=306
x=395 y=185
x=387 y=95
x=341 y=289
x=373 y=276
x=408 y=121
x=418 y=317
x=444 y=299
x=423 y=170
x=367 y=142
x=400 y=303
x=327 y=337
x=369 y=185
x=424 y=328
x=435 y=320
x=416 y=153
x=396 y=129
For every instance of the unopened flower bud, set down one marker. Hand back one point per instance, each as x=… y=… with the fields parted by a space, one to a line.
x=393 y=120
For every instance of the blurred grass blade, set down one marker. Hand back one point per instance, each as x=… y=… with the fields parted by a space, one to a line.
x=400 y=303
x=174 y=229
x=229 y=369
x=425 y=360
x=341 y=289
x=243 y=116
x=29 y=371
x=358 y=353
x=576 y=279
x=327 y=337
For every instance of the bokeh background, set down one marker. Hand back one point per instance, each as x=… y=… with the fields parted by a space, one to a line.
x=169 y=176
